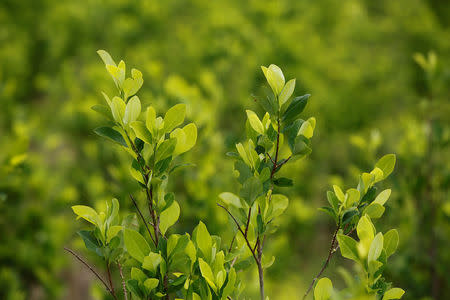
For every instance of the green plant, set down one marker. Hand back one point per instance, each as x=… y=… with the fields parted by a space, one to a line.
x=281 y=137
x=158 y=265
x=353 y=211
x=155 y=264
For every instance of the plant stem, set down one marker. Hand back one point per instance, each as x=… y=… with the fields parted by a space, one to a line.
x=143 y=219
x=110 y=279
x=260 y=271
x=92 y=270
x=327 y=261
x=124 y=287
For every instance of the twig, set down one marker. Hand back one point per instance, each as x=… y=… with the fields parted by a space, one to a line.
x=248 y=220
x=240 y=229
x=142 y=217
x=110 y=279
x=330 y=254
x=124 y=287
x=92 y=270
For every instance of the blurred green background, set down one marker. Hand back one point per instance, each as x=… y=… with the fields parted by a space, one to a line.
x=369 y=96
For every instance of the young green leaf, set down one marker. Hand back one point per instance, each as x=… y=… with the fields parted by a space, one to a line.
x=132 y=110
x=203 y=240
x=111 y=134
x=174 y=117
x=323 y=289
x=386 y=164
x=391 y=240
x=287 y=91
x=207 y=273
x=375 y=248
x=136 y=244
x=169 y=216
x=348 y=246
x=382 y=197
x=118 y=109
x=87 y=213
x=274 y=77
x=394 y=293
x=255 y=122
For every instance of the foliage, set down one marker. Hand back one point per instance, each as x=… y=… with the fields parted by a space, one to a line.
x=356 y=58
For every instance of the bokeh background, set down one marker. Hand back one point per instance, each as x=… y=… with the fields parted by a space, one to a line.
x=371 y=95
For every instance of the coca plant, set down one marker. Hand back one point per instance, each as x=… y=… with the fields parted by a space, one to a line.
x=353 y=211
x=152 y=263
x=155 y=264
x=281 y=137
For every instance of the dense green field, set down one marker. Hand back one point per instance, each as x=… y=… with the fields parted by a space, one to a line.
x=379 y=77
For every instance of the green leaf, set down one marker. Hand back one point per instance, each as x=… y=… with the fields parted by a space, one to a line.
x=333 y=200
x=87 y=213
x=295 y=108
x=111 y=134
x=231 y=199
x=229 y=287
x=386 y=164
x=287 y=91
x=203 y=240
x=352 y=197
x=307 y=128
x=107 y=59
x=103 y=110
x=186 y=138
x=207 y=273
x=382 y=197
x=251 y=189
x=375 y=248
x=90 y=241
x=136 y=244
x=300 y=146
x=255 y=122
x=174 y=117
x=279 y=203
x=118 y=109
x=151 y=262
x=283 y=182
x=348 y=215
x=151 y=283
x=169 y=216
x=141 y=131
x=391 y=240
x=339 y=194
x=348 y=246
x=394 y=293
x=165 y=149
x=330 y=211
x=112 y=232
x=137 y=274
x=132 y=85
x=374 y=210
x=274 y=77
x=323 y=289
x=132 y=110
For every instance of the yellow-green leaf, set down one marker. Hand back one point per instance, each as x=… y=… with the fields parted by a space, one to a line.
x=169 y=216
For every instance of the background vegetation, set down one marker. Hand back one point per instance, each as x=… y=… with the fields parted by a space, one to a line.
x=370 y=95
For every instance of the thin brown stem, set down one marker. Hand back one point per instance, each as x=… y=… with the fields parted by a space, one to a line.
x=108 y=270
x=260 y=270
x=248 y=220
x=92 y=270
x=124 y=287
x=327 y=261
x=243 y=234
x=142 y=217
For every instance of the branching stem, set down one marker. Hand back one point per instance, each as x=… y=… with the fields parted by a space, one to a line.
x=93 y=271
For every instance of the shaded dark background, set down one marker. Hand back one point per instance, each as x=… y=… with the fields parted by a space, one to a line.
x=355 y=57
